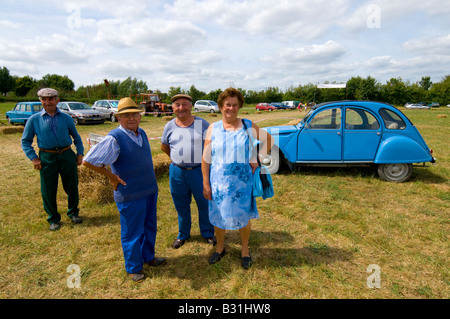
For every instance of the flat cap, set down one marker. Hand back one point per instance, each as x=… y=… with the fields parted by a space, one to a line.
x=47 y=92
x=181 y=96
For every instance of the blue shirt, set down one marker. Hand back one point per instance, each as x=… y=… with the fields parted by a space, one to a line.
x=51 y=131
x=186 y=143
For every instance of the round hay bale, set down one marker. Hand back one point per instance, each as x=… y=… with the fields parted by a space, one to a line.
x=442 y=116
x=11 y=129
x=212 y=114
x=168 y=118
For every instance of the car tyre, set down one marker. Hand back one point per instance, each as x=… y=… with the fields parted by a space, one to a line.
x=272 y=161
x=112 y=118
x=75 y=120
x=396 y=173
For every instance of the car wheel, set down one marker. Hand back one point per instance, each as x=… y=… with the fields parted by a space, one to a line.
x=112 y=118
x=397 y=173
x=196 y=110
x=270 y=110
x=75 y=120
x=211 y=111
x=272 y=161
x=9 y=121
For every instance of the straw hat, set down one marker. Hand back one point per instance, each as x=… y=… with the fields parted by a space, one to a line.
x=127 y=105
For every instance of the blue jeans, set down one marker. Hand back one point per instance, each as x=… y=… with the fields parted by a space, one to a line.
x=183 y=184
x=138 y=231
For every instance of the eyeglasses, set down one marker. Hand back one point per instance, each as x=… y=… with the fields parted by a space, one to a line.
x=129 y=115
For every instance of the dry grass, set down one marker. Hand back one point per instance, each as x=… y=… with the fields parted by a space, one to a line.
x=315 y=238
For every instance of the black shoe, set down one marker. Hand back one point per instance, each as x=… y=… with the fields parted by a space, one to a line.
x=178 y=243
x=216 y=257
x=76 y=219
x=137 y=277
x=211 y=240
x=157 y=261
x=246 y=262
x=55 y=226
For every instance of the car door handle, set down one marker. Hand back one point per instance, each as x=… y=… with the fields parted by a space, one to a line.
x=338 y=133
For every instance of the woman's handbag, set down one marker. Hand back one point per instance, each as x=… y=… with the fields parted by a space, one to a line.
x=262 y=181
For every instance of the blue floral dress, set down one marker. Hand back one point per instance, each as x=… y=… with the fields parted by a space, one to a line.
x=231 y=178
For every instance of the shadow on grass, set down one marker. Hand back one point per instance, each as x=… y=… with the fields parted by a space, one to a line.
x=196 y=268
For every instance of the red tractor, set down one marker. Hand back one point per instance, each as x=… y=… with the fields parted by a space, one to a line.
x=151 y=103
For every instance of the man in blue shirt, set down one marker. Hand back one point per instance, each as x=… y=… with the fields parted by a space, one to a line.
x=182 y=140
x=55 y=131
x=127 y=151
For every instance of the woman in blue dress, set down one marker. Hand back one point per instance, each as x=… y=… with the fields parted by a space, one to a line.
x=228 y=164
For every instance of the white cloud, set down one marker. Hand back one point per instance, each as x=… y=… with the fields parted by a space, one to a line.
x=429 y=46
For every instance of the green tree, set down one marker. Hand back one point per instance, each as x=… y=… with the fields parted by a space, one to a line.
x=58 y=82
x=24 y=85
x=6 y=81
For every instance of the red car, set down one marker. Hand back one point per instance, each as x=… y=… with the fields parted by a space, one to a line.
x=265 y=106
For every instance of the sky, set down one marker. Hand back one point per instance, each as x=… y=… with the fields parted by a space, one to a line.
x=215 y=44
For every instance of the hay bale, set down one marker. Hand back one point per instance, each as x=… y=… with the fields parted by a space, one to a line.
x=11 y=129
x=96 y=187
x=212 y=114
x=168 y=118
x=161 y=163
x=442 y=116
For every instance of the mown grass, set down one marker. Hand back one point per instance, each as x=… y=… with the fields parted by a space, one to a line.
x=315 y=238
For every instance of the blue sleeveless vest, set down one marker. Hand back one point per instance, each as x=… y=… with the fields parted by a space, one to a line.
x=135 y=166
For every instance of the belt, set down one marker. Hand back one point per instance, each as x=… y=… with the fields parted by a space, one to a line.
x=57 y=150
x=188 y=168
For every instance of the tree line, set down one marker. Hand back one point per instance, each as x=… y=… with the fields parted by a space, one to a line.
x=394 y=91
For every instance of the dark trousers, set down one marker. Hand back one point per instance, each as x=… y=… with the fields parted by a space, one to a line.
x=53 y=166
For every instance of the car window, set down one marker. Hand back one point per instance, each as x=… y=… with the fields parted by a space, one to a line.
x=392 y=121
x=27 y=108
x=327 y=119
x=37 y=107
x=358 y=119
x=22 y=108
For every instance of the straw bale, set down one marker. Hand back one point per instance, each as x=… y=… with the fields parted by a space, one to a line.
x=442 y=116
x=96 y=187
x=11 y=129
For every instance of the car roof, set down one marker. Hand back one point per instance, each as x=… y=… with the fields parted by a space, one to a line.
x=33 y=103
x=369 y=104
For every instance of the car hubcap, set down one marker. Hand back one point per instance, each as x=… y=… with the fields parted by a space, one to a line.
x=396 y=170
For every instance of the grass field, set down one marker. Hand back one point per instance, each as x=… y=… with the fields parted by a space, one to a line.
x=316 y=238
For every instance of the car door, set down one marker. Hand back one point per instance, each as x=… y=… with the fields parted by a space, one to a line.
x=321 y=139
x=362 y=135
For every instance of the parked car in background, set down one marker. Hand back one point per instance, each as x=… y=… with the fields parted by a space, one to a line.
x=279 y=106
x=81 y=112
x=22 y=111
x=206 y=106
x=265 y=106
x=107 y=107
x=350 y=133
x=434 y=104
x=417 y=106
x=291 y=104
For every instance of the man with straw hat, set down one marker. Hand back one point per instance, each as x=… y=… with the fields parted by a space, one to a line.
x=127 y=151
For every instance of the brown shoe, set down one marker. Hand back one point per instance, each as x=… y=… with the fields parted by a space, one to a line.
x=138 y=277
x=157 y=261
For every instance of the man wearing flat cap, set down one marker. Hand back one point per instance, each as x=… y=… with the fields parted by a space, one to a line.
x=182 y=140
x=127 y=151
x=55 y=131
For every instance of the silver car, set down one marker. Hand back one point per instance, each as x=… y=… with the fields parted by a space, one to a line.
x=107 y=107
x=81 y=112
x=206 y=105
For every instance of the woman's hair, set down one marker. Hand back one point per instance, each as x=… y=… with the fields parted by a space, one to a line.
x=230 y=92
